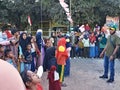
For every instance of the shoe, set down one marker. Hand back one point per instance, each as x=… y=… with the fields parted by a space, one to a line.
x=64 y=85
x=103 y=76
x=110 y=81
x=79 y=57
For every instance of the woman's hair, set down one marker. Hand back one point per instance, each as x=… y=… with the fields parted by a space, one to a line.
x=26 y=78
x=6 y=52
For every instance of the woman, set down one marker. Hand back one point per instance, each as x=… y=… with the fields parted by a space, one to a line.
x=92 y=45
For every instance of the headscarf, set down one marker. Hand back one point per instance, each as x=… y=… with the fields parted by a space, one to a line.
x=23 y=42
x=103 y=40
x=39 y=40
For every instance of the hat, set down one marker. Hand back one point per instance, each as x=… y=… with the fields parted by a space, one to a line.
x=39 y=30
x=113 y=28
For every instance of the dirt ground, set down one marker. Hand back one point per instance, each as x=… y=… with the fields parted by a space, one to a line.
x=85 y=76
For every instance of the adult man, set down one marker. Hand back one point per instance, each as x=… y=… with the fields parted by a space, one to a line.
x=110 y=50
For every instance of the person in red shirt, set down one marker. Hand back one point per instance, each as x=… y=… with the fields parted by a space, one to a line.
x=92 y=39
x=31 y=80
x=8 y=33
x=87 y=27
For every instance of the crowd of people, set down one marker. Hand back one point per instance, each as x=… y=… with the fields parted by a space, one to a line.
x=27 y=52
x=89 y=43
x=95 y=44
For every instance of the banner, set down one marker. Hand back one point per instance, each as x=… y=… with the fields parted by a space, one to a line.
x=112 y=21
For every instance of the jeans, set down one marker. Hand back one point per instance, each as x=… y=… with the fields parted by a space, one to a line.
x=109 y=65
x=78 y=52
x=92 y=52
x=96 y=51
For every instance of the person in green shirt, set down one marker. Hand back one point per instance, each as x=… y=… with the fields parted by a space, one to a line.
x=102 y=42
x=109 y=53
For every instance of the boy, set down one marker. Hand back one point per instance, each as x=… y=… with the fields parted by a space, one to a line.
x=9 y=57
x=28 y=57
x=31 y=80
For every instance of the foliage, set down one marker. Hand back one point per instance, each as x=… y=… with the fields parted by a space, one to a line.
x=83 y=11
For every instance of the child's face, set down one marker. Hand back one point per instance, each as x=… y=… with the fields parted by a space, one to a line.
x=34 y=77
x=28 y=47
x=2 y=49
x=10 y=54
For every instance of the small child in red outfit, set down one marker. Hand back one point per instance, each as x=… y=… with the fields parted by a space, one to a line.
x=53 y=77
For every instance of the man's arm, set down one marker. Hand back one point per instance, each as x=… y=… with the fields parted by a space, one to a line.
x=105 y=49
x=115 y=50
x=102 y=53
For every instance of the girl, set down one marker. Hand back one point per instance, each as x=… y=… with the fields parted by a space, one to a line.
x=31 y=80
x=92 y=45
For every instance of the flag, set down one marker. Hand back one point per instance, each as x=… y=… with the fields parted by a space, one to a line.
x=29 y=21
x=63 y=4
x=66 y=8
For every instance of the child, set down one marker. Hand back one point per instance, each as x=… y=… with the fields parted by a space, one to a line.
x=28 y=57
x=1 y=52
x=31 y=80
x=9 y=57
x=35 y=52
x=54 y=82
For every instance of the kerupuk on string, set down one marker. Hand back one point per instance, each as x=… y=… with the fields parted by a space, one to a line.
x=66 y=8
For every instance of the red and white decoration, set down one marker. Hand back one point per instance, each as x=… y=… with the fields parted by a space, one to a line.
x=29 y=21
x=65 y=7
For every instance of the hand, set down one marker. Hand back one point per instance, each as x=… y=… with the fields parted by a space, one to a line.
x=101 y=55
x=20 y=60
x=13 y=57
x=111 y=57
x=13 y=42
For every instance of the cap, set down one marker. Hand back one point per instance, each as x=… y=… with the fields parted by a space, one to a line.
x=113 y=28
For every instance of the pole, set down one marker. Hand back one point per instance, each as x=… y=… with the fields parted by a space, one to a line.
x=41 y=14
x=70 y=13
x=29 y=29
